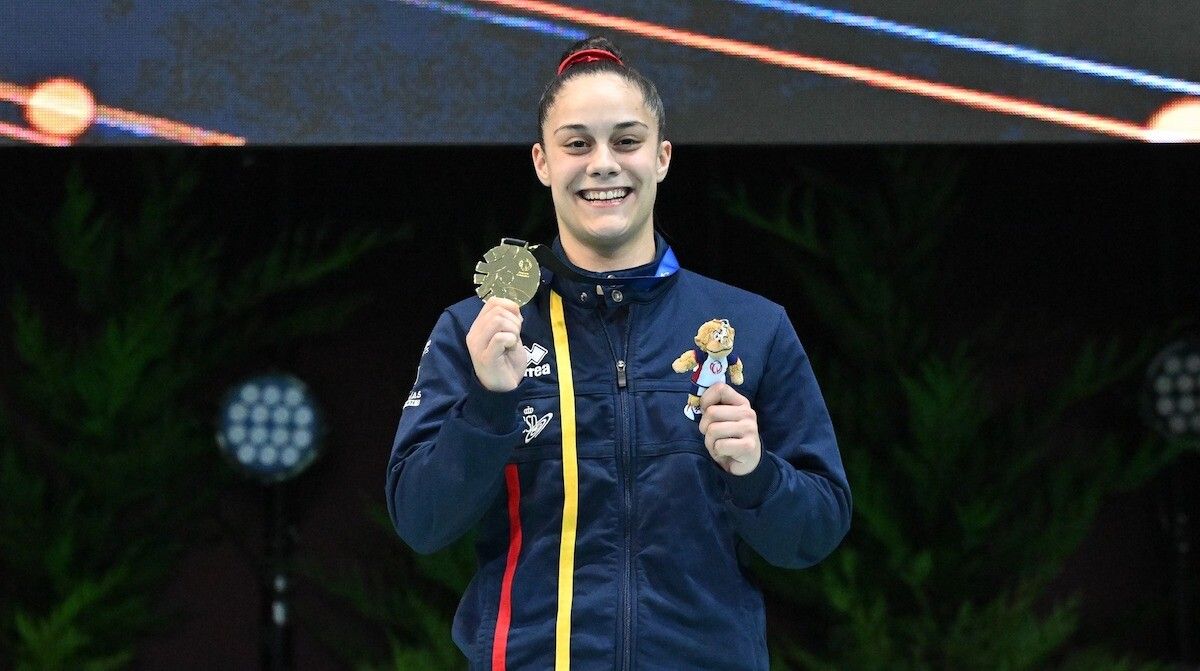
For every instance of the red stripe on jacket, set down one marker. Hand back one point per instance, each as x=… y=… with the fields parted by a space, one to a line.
x=504 y=616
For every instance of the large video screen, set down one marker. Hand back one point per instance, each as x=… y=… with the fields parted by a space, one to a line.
x=470 y=72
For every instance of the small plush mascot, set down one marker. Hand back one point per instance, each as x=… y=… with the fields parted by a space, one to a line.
x=709 y=361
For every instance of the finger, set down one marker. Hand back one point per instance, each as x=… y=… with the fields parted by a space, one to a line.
x=733 y=449
x=721 y=459
x=722 y=413
x=486 y=322
x=501 y=320
x=500 y=343
x=497 y=322
x=503 y=304
x=721 y=394
x=719 y=430
x=499 y=306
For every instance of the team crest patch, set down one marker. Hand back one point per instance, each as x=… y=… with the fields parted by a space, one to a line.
x=533 y=423
x=710 y=362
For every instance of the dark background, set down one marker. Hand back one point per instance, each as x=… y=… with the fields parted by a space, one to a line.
x=1068 y=241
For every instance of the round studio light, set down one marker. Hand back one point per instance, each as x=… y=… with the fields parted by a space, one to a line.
x=1171 y=393
x=269 y=427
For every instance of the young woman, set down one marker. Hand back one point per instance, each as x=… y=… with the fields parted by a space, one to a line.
x=620 y=438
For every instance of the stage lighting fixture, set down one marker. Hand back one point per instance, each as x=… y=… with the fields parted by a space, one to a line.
x=1171 y=406
x=269 y=428
x=1171 y=394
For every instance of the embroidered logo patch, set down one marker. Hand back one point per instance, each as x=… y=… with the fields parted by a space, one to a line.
x=535 y=367
x=533 y=423
x=711 y=361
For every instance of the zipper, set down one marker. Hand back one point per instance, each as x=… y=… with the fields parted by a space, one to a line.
x=624 y=478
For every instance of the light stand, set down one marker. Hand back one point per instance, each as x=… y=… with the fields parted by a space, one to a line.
x=269 y=430
x=1171 y=406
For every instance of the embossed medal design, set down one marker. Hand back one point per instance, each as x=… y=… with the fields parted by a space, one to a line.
x=508 y=270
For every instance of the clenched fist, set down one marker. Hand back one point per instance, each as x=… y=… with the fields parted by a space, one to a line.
x=494 y=343
x=730 y=428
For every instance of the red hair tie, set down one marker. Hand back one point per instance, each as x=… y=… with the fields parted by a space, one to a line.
x=587 y=56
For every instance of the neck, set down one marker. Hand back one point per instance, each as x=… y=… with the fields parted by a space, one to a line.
x=602 y=260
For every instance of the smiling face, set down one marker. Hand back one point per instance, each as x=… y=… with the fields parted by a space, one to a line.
x=603 y=161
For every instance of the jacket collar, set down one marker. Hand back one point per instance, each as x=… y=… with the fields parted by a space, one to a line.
x=642 y=284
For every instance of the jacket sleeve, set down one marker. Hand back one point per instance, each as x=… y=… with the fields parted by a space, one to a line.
x=794 y=507
x=448 y=457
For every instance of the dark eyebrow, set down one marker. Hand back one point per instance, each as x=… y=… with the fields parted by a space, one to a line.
x=630 y=124
x=621 y=126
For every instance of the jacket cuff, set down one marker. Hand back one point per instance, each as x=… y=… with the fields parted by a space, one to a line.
x=751 y=489
x=491 y=411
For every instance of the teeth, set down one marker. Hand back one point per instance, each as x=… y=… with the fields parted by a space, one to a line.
x=605 y=195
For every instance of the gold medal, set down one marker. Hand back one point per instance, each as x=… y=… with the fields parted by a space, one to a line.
x=508 y=271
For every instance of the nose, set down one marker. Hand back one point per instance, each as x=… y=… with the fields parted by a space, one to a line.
x=604 y=162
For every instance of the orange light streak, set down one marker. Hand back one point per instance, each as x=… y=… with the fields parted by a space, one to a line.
x=134 y=121
x=1177 y=121
x=61 y=106
x=981 y=100
x=31 y=136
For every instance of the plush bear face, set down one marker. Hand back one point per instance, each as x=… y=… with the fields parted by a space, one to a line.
x=715 y=337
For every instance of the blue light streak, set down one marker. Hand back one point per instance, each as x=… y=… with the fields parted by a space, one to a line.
x=979 y=45
x=498 y=19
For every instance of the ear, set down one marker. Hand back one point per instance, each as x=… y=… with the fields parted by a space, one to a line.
x=539 y=164
x=664 y=160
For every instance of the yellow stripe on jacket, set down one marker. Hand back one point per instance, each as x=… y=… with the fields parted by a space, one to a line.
x=566 y=552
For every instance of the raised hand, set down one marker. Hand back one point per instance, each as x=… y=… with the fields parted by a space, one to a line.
x=494 y=343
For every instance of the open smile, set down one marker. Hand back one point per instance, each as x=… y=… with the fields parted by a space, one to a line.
x=605 y=197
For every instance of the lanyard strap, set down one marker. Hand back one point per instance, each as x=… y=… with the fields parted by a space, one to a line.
x=570 y=465
x=667 y=266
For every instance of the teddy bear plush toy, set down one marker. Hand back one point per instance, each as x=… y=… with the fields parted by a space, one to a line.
x=709 y=362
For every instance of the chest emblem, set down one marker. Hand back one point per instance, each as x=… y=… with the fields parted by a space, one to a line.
x=533 y=423
x=710 y=362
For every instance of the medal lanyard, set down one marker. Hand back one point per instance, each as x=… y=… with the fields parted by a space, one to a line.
x=511 y=271
x=546 y=256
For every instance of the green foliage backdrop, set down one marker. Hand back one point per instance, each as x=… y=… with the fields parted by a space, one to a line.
x=967 y=501
x=106 y=449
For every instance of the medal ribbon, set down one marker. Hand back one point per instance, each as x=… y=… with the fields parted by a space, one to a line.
x=666 y=267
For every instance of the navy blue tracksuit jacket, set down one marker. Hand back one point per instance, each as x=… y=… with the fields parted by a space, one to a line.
x=607 y=535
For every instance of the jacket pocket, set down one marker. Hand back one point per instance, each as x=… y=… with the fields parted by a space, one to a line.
x=542 y=437
x=659 y=423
